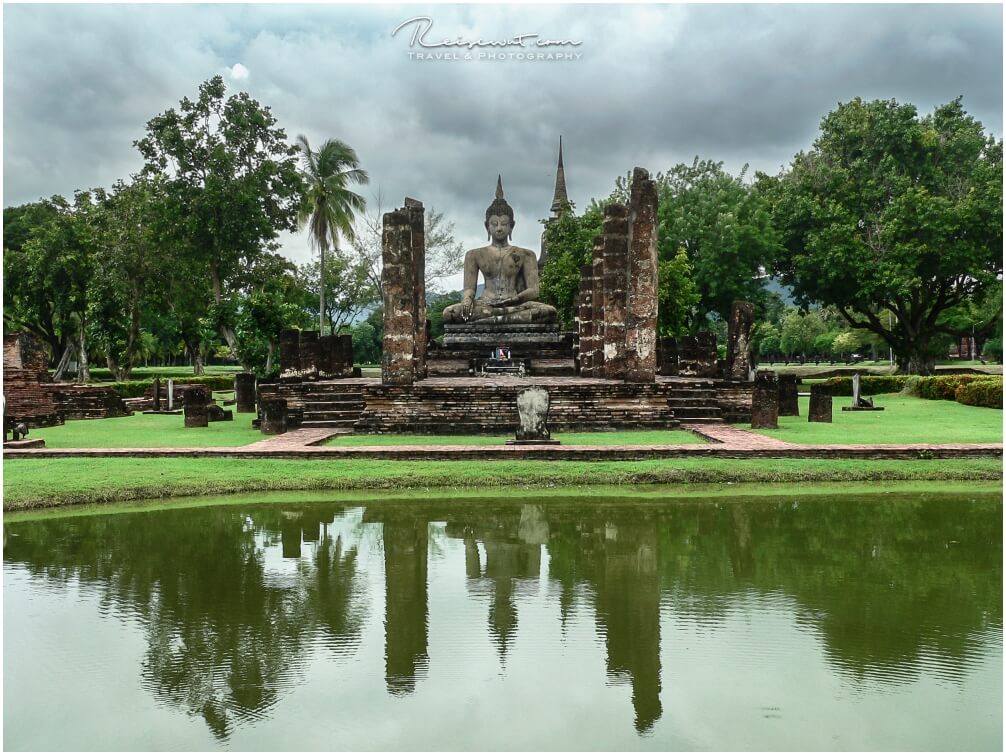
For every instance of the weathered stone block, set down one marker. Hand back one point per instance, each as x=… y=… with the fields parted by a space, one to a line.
x=398 y=283
x=196 y=398
x=416 y=213
x=667 y=356
x=273 y=415
x=596 y=365
x=244 y=392
x=789 y=400
x=289 y=352
x=765 y=401
x=309 y=354
x=616 y=247
x=532 y=409
x=820 y=404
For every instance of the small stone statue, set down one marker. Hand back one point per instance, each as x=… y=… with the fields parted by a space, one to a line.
x=510 y=274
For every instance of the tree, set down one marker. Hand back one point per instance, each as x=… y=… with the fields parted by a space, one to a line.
x=231 y=184
x=724 y=228
x=799 y=332
x=348 y=289
x=892 y=211
x=444 y=253
x=678 y=295
x=570 y=242
x=329 y=205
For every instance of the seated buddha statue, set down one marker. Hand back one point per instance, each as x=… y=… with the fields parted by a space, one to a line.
x=510 y=274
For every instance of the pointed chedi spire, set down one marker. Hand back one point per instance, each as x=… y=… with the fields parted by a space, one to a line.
x=559 y=199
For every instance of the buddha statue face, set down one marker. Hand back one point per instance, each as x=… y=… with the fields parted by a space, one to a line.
x=499 y=227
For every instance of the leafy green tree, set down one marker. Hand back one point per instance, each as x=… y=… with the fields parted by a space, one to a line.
x=845 y=343
x=570 y=243
x=329 y=206
x=348 y=289
x=725 y=229
x=766 y=339
x=230 y=183
x=677 y=294
x=892 y=211
x=799 y=332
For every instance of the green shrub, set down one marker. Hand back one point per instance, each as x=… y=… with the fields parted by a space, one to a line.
x=987 y=392
x=136 y=388
x=943 y=387
x=869 y=385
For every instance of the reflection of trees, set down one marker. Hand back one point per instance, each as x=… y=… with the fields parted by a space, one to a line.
x=224 y=641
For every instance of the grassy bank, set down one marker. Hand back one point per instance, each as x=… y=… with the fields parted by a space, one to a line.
x=905 y=419
x=33 y=483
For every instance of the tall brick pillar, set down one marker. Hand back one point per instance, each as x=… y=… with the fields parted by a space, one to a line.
x=399 y=283
x=416 y=213
x=585 y=319
x=597 y=309
x=739 y=340
x=641 y=295
x=616 y=247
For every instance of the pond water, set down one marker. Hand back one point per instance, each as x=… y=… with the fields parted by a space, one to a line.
x=841 y=622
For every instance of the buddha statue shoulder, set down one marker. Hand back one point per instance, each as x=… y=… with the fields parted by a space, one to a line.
x=510 y=274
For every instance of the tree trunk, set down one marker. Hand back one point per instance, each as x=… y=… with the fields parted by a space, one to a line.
x=321 y=289
x=64 y=363
x=83 y=368
x=226 y=331
x=268 y=358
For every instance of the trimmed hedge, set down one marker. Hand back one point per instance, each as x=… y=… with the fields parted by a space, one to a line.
x=136 y=388
x=869 y=385
x=942 y=387
x=988 y=393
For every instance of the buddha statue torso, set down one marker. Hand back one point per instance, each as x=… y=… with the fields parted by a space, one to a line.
x=510 y=274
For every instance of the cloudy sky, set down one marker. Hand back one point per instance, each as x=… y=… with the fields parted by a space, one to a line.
x=653 y=86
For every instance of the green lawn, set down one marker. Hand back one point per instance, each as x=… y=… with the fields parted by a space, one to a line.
x=33 y=483
x=905 y=419
x=174 y=372
x=148 y=431
x=639 y=437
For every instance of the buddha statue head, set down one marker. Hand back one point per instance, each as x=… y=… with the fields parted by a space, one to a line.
x=499 y=216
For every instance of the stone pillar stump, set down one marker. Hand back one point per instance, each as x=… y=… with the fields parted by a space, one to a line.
x=641 y=289
x=820 y=404
x=196 y=399
x=244 y=392
x=274 y=412
x=616 y=248
x=765 y=401
x=789 y=399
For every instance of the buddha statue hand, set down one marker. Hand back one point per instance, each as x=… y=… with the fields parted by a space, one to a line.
x=467 y=306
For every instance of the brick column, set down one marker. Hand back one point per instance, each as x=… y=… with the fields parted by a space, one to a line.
x=343 y=359
x=244 y=392
x=616 y=247
x=597 y=309
x=310 y=354
x=398 y=282
x=289 y=352
x=195 y=407
x=765 y=401
x=416 y=213
x=584 y=320
x=739 y=340
x=641 y=296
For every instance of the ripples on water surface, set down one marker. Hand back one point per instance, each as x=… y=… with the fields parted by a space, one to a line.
x=829 y=623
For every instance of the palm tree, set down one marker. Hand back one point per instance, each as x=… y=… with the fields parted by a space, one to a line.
x=329 y=205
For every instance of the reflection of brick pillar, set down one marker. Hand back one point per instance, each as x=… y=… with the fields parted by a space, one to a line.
x=584 y=321
x=405 y=604
x=244 y=392
x=765 y=401
x=415 y=211
x=641 y=296
x=616 y=239
x=739 y=341
x=195 y=407
x=398 y=282
x=597 y=309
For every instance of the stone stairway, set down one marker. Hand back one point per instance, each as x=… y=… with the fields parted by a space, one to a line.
x=331 y=404
x=694 y=402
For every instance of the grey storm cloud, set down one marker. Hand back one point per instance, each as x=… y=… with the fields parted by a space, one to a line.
x=656 y=85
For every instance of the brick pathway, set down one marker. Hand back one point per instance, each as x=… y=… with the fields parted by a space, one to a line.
x=734 y=436
x=303 y=437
